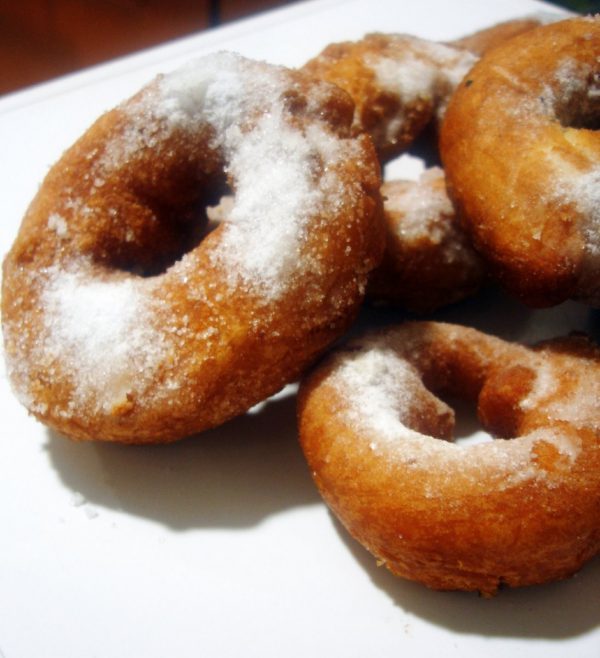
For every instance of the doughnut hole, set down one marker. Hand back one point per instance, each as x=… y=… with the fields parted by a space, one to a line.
x=146 y=214
x=479 y=410
x=155 y=235
x=483 y=401
x=467 y=427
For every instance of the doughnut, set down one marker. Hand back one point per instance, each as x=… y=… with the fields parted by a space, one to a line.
x=401 y=82
x=125 y=319
x=398 y=83
x=522 y=509
x=481 y=41
x=428 y=260
x=522 y=158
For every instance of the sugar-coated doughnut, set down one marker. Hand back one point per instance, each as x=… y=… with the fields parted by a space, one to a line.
x=398 y=83
x=121 y=323
x=514 y=511
x=522 y=158
x=429 y=261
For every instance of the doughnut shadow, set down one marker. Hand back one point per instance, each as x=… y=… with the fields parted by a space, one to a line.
x=234 y=476
x=554 y=611
x=496 y=312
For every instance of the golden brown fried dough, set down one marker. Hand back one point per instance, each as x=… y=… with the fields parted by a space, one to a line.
x=398 y=83
x=521 y=154
x=429 y=261
x=119 y=325
x=519 y=510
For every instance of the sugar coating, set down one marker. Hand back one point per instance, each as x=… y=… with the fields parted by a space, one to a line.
x=573 y=78
x=420 y=74
x=58 y=224
x=384 y=382
x=419 y=70
x=579 y=190
x=101 y=330
x=564 y=390
x=272 y=167
x=425 y=213
x=574 y=87
x=582 y=190
x=378 y=385
x=275 y=194
x=422 y=206
x=275 y=168
x=585 y=189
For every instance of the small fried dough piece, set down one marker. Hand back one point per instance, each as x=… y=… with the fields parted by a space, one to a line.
x=429 y=261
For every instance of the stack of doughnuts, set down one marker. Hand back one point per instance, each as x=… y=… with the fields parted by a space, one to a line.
x=519 y=151
x=131 y=313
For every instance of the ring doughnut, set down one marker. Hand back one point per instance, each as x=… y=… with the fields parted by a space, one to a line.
x=398 y=83
x=429 y=261
x=460 y=516
x=522 y=158
x=121 y=323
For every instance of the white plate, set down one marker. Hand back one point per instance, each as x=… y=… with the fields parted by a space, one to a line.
x=220 y=545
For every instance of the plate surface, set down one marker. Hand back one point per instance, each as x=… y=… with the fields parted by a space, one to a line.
x=219 y=545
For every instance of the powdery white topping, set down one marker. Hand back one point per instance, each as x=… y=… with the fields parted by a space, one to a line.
x=57 y=224
x=377 y=384
x=564 y=390
x=275 y=195
x=581 y=189
x=382 y=384
x=577 y=80
x=420 y=69
x=572 y=78
x=281 y=175
x=421 y=206
x=100 y=332
x=457 y=68
x=272 y=165
x=544 y=385
x=573 y=89
x=585 y=189
x=412 y=80
x=425 y=214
